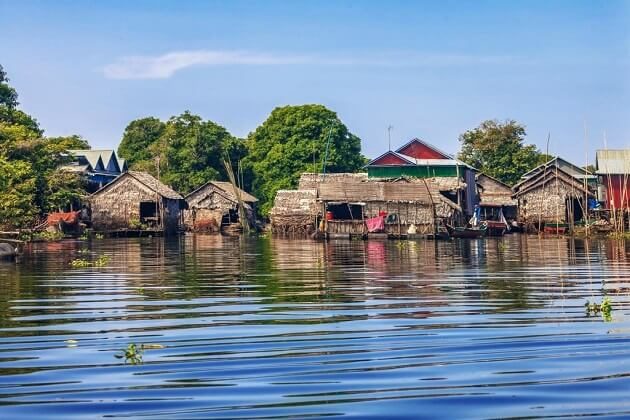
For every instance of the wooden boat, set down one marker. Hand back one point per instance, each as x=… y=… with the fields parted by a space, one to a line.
x=556 y=228
x=495 y=228
x=10 y=249
x=468 y=232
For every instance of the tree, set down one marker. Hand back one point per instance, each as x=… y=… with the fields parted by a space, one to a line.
x=498 y=149
x=17 y=193
x=293 y=140
x=30 y=182
x=190 y=150
x=138 y=137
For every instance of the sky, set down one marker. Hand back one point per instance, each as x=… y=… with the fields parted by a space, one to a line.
x=430 y=69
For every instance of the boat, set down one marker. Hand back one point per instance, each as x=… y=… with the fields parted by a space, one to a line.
x=9 y=249
x=556 y=228
x=468 y=232
x=496 y=228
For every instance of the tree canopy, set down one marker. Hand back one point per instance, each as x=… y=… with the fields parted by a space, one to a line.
x=30 y=181
x=497 y=149
x=293 y=140
x=190 y=150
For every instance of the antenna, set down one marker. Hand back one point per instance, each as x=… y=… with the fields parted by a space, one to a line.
x=389 y=136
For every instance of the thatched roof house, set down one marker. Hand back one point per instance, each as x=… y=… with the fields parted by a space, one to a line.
x=552 y=196
x=347 y=200
x=215 y=204
x=136 y=201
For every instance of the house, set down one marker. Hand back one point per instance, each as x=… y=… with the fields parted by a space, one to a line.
x=99 y=167
x=551 y=196
x=419 y=159
x=215 y=204
x=613 y=171
x=136 y=202
x=342 y=203
x=495 y=199
x=567 y=167
x=294 y=212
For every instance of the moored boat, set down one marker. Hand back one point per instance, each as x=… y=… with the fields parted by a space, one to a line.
x=468 y=232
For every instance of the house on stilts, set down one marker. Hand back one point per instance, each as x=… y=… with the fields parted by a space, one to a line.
x=214 y=206
x=136 y=203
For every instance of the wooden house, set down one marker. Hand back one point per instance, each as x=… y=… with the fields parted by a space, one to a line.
x=136 y=202
x=495 y=199
x=613 y=171
x=419 y=159
x=294 y=212
x=551 y=196
x=215 y=204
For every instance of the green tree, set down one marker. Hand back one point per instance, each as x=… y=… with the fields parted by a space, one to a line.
x=30 y=182
x=292 y=141
x=190 y=150
x=17 y=193
x=498 y=149
x=138 y=137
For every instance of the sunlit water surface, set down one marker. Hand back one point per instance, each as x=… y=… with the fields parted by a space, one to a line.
x=274 y=328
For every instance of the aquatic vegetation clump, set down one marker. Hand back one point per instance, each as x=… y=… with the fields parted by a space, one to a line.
x=605 y=308
x=132 y=354
x=101 y=261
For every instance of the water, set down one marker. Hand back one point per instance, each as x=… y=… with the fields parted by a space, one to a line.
x=293 y=329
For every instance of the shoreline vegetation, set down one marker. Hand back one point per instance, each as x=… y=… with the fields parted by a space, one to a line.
x=186 y=151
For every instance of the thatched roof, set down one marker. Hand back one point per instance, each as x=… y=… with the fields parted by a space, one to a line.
x=295 y=202
x=309 y=181
x=375 y=191
x=228 y=189
x=148 y=181
x=493 y=192
x=541 y=179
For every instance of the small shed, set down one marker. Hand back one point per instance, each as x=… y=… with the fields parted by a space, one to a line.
x=215 y=204
x=551 y=196
x=136 y=202
x=495 y=199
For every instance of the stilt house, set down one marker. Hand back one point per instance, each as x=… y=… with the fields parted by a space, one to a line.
x=136 y=201
x=215 y=204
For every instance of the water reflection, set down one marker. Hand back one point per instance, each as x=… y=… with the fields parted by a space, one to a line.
x=286 y=328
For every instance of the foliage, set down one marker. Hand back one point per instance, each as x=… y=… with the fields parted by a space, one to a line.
x=62 y=188
x=101 y=261
x=497 y=149
x=30 y=183
x=293 y=140
x=17 y=193
x=190 y=150
x=47 y=236
x=605 y=308
x=132 y=354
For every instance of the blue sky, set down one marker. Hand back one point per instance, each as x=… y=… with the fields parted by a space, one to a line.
x=430 y=69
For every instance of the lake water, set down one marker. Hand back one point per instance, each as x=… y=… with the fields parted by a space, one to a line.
x=272 y=328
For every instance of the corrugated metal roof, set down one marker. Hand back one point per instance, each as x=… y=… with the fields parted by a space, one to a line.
x=613 y=161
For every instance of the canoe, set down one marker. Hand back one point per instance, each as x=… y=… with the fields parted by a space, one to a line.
x=467 y=232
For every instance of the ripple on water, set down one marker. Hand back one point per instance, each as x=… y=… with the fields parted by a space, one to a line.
x=297 y=328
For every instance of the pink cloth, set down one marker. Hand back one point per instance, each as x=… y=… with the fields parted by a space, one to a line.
x=375 y=224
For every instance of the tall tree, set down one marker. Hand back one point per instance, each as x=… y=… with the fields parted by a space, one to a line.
x=138 y=137
x=294 y=140
x=497 y=149
x=190 y=150
x=30 y=183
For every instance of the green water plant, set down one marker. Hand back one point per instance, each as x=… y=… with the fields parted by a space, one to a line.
x=132 y=354
x=101 y=261
x=604 y=308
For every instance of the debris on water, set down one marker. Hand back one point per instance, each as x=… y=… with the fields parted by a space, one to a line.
x=605 y=308
x=152 y=346
x=71 y=343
